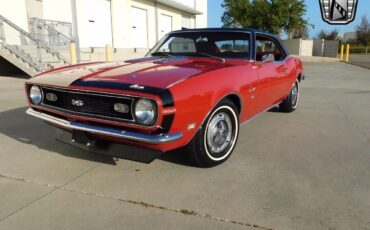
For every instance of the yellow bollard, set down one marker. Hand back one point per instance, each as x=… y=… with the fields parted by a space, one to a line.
x=341 y=52
x=347 y=53
x=72 y=53
x=108 y=53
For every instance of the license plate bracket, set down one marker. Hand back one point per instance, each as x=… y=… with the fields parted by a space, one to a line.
x=82 y=138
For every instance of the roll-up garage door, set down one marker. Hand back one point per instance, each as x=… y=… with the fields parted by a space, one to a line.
x=98 y=23
x=139 y=29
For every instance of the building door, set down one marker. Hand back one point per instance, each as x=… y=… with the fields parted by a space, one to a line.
x=139 y=30
x=99 y=24
x=165 y=24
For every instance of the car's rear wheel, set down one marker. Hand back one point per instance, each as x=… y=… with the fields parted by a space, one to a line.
x=291 y=102
x=217 y=136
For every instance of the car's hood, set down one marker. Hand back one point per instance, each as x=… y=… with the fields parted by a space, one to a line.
x=154 y=72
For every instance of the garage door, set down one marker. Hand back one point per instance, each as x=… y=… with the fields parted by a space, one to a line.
x=139 y=30
x=98 y=22
x=186 y=22
x=165 y=24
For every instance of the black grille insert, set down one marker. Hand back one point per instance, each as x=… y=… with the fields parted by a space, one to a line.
x=94 y=105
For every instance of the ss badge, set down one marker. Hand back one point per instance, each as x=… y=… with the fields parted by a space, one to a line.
x=78 y=103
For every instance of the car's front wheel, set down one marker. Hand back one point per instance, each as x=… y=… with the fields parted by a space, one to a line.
x=217 y=136
x=291 y=102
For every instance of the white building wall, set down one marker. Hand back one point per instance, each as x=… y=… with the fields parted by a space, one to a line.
x=15 y=11
x=57 y=10
x=34 y=9
x=201 y=20
x=121 y=21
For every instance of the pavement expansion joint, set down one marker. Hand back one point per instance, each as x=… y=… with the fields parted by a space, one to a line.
x=134 y=202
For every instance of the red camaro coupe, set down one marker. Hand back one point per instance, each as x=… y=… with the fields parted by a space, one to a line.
x=193 y=89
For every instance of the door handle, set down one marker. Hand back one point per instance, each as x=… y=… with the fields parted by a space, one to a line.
x=285 y=69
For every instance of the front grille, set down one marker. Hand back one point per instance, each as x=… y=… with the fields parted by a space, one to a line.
x=94 y=105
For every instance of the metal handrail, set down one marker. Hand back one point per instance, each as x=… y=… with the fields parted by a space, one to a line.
x=54 y=21
x=40 y=66
x=25 y=33
x=48 y=28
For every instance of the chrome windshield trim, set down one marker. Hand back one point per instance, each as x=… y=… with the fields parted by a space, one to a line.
x=129 y=135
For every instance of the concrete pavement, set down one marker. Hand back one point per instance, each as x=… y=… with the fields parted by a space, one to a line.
x=362 y=60
x=304 y=170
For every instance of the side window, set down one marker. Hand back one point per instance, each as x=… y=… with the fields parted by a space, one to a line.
x=267 y=45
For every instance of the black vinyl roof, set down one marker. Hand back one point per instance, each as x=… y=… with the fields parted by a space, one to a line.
x=251 y=30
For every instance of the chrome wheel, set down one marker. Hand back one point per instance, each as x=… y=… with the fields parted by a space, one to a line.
x=219 y=133
x=295 y=94
x=217 y=136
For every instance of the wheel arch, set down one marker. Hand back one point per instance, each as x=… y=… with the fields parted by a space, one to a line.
x=300 y=77
x=235 y=99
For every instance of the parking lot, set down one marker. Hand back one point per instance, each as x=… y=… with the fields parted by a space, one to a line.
x=362 y=60
x=304 y=170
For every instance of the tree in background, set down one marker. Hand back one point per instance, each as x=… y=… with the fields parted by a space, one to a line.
x=275 y=16
x=331 y=35
x=363 y=31
x=301 y=33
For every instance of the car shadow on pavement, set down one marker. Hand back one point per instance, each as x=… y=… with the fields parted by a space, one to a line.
x=21 y=127
x=274 y=110
x=18 y=125
x=178 y=156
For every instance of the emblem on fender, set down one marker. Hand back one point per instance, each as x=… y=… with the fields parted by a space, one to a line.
x=78 y=103
x=338 y=12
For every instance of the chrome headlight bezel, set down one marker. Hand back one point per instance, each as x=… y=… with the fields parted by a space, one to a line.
x=145 y=111
x=35 y=95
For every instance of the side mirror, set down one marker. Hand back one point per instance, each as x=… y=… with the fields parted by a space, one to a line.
x=268 y=58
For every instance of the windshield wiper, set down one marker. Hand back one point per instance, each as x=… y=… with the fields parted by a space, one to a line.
x=162 y=54
x=214 y=57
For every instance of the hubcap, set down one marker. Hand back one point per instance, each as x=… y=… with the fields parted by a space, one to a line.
x=295 y=94
x=219 y=133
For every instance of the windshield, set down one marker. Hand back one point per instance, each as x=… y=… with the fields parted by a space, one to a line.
x=204 y=44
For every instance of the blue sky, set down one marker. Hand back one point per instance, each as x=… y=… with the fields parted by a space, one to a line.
x=313 y=15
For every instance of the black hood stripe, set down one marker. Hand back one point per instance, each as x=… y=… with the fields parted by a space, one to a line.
x=164 y=94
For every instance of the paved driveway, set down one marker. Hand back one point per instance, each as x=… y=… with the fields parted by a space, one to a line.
x=304 y=170
x=362 y=60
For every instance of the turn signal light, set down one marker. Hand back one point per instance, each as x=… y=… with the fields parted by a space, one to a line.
x=121 y=108
x=51 y=97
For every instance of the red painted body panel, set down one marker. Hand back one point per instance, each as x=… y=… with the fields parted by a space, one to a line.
x=196 y=85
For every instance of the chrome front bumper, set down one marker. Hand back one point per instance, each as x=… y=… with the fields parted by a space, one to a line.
x=129 y=135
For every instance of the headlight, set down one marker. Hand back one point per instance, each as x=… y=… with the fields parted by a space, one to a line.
x=35 y=95
x=145 y=111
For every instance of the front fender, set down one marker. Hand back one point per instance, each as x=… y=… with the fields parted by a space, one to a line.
x=196 y=97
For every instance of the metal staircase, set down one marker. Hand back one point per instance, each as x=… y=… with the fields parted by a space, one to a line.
x=32 y=53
